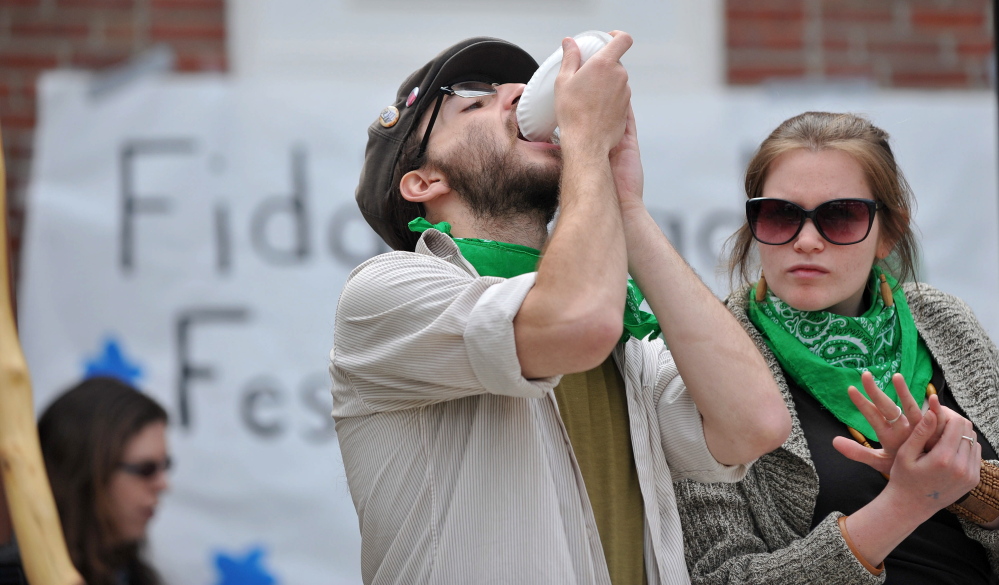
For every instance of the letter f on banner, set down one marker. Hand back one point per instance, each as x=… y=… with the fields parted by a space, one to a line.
x=189 y=371
x=131 y=204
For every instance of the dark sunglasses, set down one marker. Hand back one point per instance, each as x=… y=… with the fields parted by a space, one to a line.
x=146 y=469
x=839 y=221
x=465 y=89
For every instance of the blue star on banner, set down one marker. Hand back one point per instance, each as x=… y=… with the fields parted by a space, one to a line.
x=243 y=570
x=113 y=363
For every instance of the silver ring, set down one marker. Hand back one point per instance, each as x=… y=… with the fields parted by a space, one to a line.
x=971 y=440
x=895 y=420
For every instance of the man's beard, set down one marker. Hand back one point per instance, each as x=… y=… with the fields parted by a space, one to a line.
x=500 y=185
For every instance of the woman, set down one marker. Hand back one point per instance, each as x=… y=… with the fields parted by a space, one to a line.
x=104 y=445
x=829 y=212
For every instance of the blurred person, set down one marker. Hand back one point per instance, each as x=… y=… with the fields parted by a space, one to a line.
x=502 y=419
x=105 y=451
x=830 y=212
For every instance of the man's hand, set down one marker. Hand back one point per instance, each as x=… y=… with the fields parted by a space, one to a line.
x=592 y=99
x=626 y=165
x=571 y=319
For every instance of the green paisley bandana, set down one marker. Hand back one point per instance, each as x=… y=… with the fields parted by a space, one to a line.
x=825 y=353
x=508 y=260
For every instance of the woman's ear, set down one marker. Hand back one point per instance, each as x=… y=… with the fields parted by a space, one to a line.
x=885 y=246
x=886 y=242
x=423 y=185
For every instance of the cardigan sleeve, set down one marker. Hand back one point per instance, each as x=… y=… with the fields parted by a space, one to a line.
x=989 y=539
x=970 y=361
x=724 y=543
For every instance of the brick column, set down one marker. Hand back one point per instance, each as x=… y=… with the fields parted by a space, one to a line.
x=36 y=35
x=892 y=43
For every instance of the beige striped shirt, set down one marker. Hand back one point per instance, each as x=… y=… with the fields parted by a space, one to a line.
x=460 y=469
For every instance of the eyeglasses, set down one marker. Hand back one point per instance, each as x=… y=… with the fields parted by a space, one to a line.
x=146 y=469
x=839 y=221
x=465 y=89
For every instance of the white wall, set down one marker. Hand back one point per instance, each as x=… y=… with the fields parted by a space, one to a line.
x=678 y=43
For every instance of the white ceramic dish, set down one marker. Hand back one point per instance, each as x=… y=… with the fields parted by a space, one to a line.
x=536 y=110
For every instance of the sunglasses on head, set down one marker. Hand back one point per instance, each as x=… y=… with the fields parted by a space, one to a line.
x=146 y=469
x=464 y=89
x=839 y=221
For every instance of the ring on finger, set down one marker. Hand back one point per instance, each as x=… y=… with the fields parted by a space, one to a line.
x=971 y=440
x=895 y=420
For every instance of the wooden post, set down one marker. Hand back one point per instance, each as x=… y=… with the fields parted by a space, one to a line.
x=29 y=495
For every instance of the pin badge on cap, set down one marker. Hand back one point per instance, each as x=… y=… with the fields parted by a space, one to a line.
x=412 y=96
x=388 y=117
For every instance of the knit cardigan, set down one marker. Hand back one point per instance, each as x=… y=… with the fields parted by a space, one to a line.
x=758 y=530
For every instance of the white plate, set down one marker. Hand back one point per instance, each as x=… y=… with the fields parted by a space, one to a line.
x=536 y=110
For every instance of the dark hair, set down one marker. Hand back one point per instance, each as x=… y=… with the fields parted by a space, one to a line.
x=83 y=435
x=404 y=211
x=377 y=192
x=865 y=143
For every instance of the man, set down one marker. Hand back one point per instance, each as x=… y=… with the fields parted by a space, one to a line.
x=471 y=456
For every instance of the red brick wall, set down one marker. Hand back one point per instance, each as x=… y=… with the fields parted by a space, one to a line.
x=36 y=35
x=892 y=43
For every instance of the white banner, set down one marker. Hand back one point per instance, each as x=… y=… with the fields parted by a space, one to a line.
x=192 y=234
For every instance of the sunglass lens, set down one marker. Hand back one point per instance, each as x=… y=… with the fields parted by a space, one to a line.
x=843 y=221
x=774 y=221
x=147 y=469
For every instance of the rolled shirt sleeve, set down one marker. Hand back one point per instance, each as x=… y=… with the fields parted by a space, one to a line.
x=413 y=329
x=680 y=426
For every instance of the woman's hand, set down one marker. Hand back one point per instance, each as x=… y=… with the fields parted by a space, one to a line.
x=924 y=480
x=878 y=411
x=932 y=478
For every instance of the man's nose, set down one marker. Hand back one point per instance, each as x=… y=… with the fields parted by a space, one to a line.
x=509 y=93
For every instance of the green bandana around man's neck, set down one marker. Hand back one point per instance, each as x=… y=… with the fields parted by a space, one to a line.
x=492 y=258
x=826 y=353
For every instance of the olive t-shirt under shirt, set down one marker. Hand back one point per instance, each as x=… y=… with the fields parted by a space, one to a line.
x=594 y=408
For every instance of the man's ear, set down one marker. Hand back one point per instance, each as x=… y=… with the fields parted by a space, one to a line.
x=423 y=185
